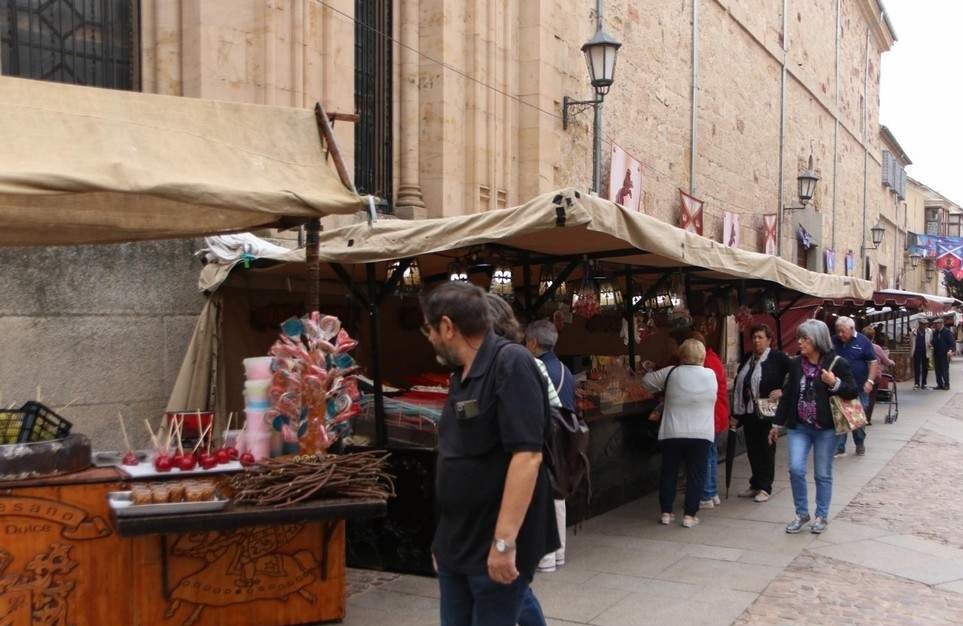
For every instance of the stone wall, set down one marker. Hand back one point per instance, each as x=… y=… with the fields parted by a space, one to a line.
x=103 y=328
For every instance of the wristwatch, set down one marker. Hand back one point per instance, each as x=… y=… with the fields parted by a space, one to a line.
x=502 y=546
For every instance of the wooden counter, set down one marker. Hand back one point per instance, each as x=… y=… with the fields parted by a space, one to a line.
x=65 y=560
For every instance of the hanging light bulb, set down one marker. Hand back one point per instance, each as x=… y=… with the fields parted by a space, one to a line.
x=502 y=282
x=457 y=273
x=411 y=278
x=610 y=297
x=546 y=279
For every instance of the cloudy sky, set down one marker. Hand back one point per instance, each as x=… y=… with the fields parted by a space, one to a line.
x=922 y=90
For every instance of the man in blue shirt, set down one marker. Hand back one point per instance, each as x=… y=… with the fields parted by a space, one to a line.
x=861 y=356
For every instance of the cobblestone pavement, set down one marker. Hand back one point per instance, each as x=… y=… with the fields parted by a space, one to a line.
x=915 y=493
x=892 y=556
x=819 y=590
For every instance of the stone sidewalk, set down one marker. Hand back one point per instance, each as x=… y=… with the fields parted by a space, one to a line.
x=893 y=554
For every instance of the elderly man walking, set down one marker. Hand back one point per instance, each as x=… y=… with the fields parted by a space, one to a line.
x=540 y=339
x=861 y=356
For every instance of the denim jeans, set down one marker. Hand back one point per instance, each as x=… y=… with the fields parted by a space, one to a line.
x=859 y=435
x=802 y=438
x=711 y=489
x=480 y=601
x=693 y=453
x=531 y=613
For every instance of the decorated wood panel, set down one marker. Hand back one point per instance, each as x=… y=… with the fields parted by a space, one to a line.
x=63 y=564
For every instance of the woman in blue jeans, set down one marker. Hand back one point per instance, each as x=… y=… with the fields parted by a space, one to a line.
x=814 y=376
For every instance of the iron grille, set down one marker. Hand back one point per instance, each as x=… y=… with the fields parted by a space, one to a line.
x=84 y=42
x=372 y=89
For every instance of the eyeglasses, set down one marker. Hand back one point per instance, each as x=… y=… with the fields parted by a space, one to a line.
x=426 y=329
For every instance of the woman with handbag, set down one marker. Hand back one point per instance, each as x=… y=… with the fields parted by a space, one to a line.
x=817 y=379
x=687 y=429
x=756 y=393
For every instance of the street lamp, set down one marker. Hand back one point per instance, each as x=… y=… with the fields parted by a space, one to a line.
x=877 y=231
x=915 y=259
x=930 y=270
x=807 y=183
x=600 y=54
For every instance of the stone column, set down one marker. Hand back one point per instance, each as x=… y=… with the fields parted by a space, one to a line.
x=410 y=204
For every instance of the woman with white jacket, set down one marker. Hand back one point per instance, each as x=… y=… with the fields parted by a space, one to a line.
x=687 y=429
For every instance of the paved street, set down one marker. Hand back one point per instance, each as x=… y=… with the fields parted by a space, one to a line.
x=893 y=554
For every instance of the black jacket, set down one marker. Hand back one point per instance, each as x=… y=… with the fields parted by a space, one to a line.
x=774 y=370
x=786 y=414
x=943 y=342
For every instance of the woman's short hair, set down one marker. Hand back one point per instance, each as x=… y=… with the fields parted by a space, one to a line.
x=761 y=328
x=692 y=352
x=817 y=333
x=870 y=332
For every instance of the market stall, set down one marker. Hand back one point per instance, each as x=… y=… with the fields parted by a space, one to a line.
x=604 y=274
x=144 y=540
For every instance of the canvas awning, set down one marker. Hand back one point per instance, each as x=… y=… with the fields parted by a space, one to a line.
x=564 y=224
x=85 y=165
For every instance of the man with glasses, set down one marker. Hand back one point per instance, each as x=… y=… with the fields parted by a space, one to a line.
x=496 y=517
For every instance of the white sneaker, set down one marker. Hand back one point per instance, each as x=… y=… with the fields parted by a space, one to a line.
x=762 y=496
x=547 y=564
x=707 y=504
x=667 y=518
x=748 y=493
x=689 y=521
x=717 y=500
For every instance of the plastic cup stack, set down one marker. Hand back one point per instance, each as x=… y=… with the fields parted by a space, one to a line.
x=258 y=433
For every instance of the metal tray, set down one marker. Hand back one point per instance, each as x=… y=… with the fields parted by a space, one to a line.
x=122 y=505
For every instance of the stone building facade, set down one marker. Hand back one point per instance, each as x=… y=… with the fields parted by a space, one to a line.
x=461 y=112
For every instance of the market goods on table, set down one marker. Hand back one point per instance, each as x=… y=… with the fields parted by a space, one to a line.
x=167 y=498
x=288 y=480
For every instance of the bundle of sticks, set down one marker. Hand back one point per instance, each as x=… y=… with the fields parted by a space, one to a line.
x=288 y=480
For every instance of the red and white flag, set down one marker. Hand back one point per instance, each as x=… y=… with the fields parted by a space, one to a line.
x=730 y=229
x=691 y=217
x=769 y=233
x=625 y=179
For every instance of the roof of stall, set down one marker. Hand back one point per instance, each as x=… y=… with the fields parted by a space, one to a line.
x=562 y=224
x=85 y=165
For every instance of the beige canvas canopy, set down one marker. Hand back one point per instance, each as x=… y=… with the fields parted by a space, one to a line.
x=560 y=224
x=563 y=223
x=86 y=165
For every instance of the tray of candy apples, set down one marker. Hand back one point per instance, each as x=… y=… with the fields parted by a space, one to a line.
x=167 y=498
x=170 y=457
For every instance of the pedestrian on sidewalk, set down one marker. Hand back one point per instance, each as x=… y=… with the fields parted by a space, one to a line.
x=505 y=324
x=761 y=375
x=857 y=350
x=495 y=517
x=886 y=365
x=943 y=345
x=710 y=494
x=540 y=339
x=922 y=347
x=687 y=429
x=814 y=376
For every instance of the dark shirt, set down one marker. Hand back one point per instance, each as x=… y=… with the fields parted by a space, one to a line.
x=504 y=410
x=943 y=342
x=920 y=340
x=564 y=386
x=859 y=353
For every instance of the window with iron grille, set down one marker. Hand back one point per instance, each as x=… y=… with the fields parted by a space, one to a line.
x=372 y=95
x=84 y=42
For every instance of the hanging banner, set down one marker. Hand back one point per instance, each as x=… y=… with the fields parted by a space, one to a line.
x=850 y=262
x=769 y=233
x=805 y=238
x=691 y=217
x=730 y=229
x=830 y=256
x=625 y=179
